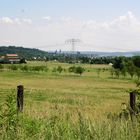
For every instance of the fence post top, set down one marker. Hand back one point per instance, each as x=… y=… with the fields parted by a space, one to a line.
x=20 y=87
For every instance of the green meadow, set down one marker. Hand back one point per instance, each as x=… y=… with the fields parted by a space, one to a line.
x=67 y=106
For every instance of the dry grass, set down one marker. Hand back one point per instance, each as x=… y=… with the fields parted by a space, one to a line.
x=68 y=106
x=89 y=94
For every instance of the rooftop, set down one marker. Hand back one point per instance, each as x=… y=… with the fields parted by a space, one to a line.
x=12 y=55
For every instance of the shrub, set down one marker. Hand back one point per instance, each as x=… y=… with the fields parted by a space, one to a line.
x=98 y=72
x=112 y=72
x=24 y=68
x=117 y=73
x=23 y=60
x=13 y=67
x=72 y=69
x=137 y=72
x=118 y=63
x=130 y=68
x=54 y=70
x=77 y=70
x=59 y=69
x=37 y=68
x=136 y=61
x=123 y=72
x=1 y=67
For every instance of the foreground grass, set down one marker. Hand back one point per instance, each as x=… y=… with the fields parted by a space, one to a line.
x=59 y=127
x=67 y=106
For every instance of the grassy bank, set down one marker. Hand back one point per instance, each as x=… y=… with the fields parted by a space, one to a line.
x=69 y=106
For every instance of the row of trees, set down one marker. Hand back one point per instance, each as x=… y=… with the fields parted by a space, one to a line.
x=123 y=65
x=80 y=58
x=25 y=68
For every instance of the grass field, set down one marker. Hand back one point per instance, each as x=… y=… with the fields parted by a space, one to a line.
x=90 y=96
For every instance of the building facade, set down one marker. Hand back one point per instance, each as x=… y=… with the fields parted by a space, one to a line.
x=10 y=59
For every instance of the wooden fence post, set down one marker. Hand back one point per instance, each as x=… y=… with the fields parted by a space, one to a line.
x=20 y=90
x=132 y=103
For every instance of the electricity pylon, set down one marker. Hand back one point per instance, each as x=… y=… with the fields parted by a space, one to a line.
x=73 y=43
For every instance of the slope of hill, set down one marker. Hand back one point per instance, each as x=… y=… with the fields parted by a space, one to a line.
x=29 y=53
x=22 y=52
x=100 y=54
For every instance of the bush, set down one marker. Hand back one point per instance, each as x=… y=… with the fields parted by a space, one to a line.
x=137 y=72
x=112 y=72
x=59 y=69
x=37 y=68
x=118 y=63
x=72 y=69
x=77 y=70
x=130 y=68
x=136 y=61
x=117 y=73
x=1 y=67
x=23 y=60
x=13 y=67
x=54 y=70
x=98 y=72
x=24 y=68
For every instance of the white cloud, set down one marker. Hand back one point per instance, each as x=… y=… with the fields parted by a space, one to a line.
x=119 y=34
x=6 y=20
x=17 y=21
x=48 y=18
x=124 y=21
x=26 y=20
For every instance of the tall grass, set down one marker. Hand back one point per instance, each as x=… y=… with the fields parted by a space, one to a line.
x=65 y=106
x=15 y=126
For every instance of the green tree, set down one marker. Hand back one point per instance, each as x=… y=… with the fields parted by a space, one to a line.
x=54 y=70
x=59 y=69
x=112 y=72
x=13 y=67
x=1 y=67
x=72 y=69
x=136 y=61
x=130 y=68
x=98 y=72
x=79 y=70
x=137 y=72
x=25 y=68
x=123 y=72
x=117 y=73
x=118 y=63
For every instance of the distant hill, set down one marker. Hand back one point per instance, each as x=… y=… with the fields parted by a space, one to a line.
x=22 y=52
x=100 y=54
x=29 y=53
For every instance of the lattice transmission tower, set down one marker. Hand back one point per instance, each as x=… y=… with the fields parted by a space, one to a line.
x=73 y=42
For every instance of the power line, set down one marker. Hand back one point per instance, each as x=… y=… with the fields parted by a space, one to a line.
x=73 y=43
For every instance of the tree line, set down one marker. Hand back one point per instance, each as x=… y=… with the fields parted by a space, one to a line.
x=124 y=65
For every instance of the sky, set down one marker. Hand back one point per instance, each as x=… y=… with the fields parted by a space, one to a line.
x=100 y=25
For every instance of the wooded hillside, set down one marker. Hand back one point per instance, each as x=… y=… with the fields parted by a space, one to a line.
x=22 y=52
